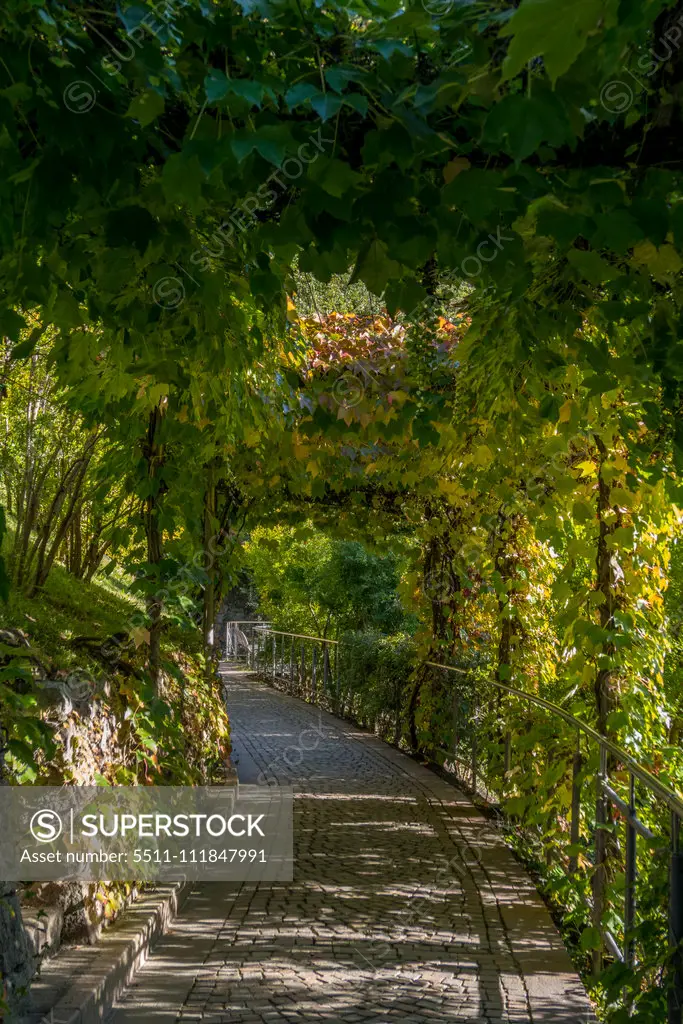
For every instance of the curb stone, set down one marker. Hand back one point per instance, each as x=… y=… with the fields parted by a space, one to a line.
x=43 y=927
x=81 y=983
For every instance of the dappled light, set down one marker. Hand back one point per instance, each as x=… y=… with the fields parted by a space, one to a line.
x=341 y=466
x=387 y=917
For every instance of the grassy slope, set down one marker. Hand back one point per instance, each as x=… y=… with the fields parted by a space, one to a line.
x=185 y=738
x=68 y=607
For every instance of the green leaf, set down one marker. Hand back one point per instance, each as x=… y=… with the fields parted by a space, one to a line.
x=252 y=92
x=617 y=720
x=406 y=295
x=479 y=194
x=517 y=806
x=271 y=141
x=575 y=850
x=583 y=512
x=339 y=77
x=591 y=266
x=522 y=123
x=391 y=145
x=215 y=85
x=549 y=409
x=22 y=751
x=483 y=456
x=357 y=102
x=301 y=93
x=562 y=225
x=374 y=267
x=11 y=324
x=146 y=107
x=334 y=176
x=66 y=311
x=17 y=93
x=558 y=32
x=389 y=47
x=424 y=431
x=677 y=226
x=24 y=348
x=590 y=939
x=182 y=180
x=616 y=230
x=132 y=226
x=600 y=383
x=327 y=105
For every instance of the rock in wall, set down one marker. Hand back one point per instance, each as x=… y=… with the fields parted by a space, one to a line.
x=17 y=964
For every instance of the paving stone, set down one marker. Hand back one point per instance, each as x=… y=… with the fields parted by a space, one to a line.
x=395 y=913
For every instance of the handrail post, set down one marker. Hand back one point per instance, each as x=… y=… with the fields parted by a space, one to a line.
x=454 y=712
x=302 y=681
x=475 y=713
x=326 y=668
x=314 y=673
x=598 y=844
x=575 y=834
x=291 y=665
x=675 y=994
x=630 y=878
x=337 y=673
x=600 y=856
x=274 y=642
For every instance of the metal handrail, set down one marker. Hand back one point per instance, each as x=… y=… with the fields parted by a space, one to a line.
x=247 y=622
x=303 y=636
x=295 y=670
x=634 y=827
x=305 y=674
x=669 y=796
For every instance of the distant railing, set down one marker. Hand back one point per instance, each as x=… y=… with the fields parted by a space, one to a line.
x=240 y=637
x=307 y=665
x=317 y=670
x=593 y=778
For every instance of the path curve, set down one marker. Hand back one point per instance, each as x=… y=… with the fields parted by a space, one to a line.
x=398 y=911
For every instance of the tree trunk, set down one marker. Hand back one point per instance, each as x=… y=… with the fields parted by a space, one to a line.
x=154 y=456
x=210 y=522
x=92 y=548
x=442 y=586
x=606 y=680
x=76 y=552
x=606 y=697
x=506 y=566
x=46 y=559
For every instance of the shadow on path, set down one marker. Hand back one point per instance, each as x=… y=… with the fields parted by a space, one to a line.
x=390 y=916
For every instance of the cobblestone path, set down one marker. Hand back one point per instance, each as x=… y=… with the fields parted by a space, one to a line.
x=404 y=906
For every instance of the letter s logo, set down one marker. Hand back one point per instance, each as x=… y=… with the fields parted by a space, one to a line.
x=46 y=826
